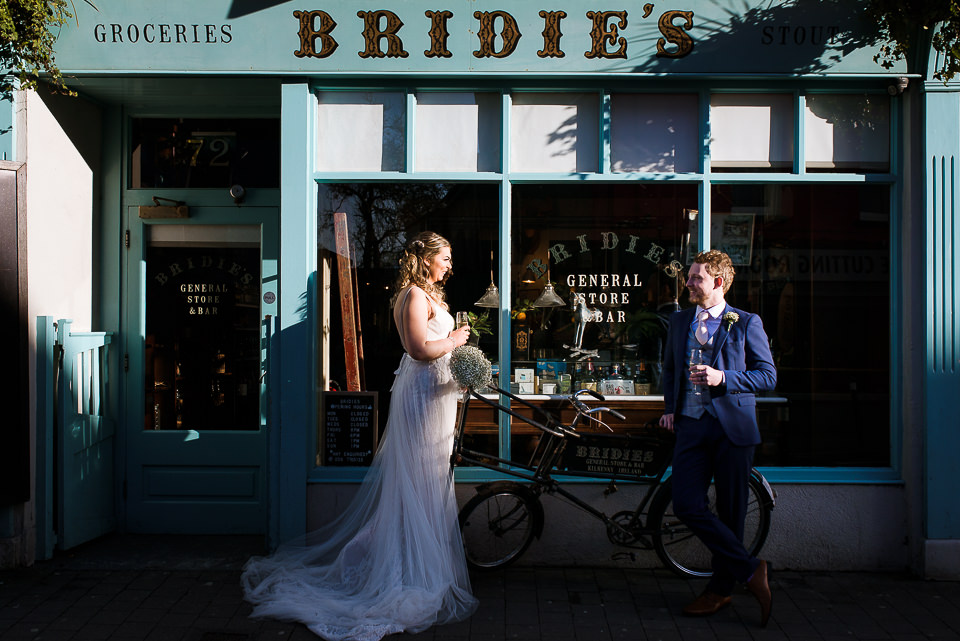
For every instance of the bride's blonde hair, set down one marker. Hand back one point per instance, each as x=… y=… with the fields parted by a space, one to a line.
x=417 y=255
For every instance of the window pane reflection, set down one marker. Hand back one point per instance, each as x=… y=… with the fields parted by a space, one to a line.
x=615 y=256
x=381 y=218
x=813 y=261
x=202 y=343
x=204 y=152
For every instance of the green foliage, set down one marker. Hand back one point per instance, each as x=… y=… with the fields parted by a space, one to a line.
x=907 y=24
x=480 y=324
x=27 y=34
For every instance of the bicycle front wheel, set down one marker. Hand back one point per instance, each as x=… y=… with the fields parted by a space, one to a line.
x=681 y=551
x=498 y=526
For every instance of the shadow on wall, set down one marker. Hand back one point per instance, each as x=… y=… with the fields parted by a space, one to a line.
x=798 y=36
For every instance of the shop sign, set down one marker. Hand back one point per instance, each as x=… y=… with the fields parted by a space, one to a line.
x=611 y=290
x=211 y=289
x=618 y=455
x=466 y=36
x=497 y=32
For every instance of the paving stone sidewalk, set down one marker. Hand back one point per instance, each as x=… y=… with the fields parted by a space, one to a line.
x=154 y=596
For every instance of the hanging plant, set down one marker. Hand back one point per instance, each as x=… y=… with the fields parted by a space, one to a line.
x=905 y=25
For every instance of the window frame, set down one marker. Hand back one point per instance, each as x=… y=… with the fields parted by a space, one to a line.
x=704 y=179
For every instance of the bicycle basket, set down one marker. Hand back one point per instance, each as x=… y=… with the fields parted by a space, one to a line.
x=643 y=454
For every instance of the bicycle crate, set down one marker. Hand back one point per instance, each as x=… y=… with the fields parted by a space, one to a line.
x=640 y=455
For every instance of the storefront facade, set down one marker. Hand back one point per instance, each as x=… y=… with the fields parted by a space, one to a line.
x=596 y=150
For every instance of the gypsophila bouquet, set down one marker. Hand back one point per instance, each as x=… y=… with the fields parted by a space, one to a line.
x=470 y=368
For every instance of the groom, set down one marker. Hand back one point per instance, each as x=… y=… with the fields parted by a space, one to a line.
x=716 y=429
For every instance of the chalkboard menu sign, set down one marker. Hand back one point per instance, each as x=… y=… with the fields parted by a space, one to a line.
x=349 y=427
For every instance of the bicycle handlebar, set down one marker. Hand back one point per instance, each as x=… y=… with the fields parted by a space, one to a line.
x=588 y=412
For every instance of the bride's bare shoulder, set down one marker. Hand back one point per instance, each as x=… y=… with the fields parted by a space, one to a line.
x=409 y=295
x=409 y=292
x=418 y=294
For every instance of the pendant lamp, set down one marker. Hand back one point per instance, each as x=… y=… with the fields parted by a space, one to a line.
x=548 y=297
x=491 y=298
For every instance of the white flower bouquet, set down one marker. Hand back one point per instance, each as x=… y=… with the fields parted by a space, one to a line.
x=470 y=368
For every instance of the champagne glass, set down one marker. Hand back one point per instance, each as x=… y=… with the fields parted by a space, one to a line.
x=696 y=358
x=463 y=318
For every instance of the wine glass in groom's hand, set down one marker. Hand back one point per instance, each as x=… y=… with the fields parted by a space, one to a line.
x=695 y=360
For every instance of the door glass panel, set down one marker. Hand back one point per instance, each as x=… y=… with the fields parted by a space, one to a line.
x=202 y=347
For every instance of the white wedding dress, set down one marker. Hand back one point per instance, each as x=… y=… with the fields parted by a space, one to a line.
x=393 y=561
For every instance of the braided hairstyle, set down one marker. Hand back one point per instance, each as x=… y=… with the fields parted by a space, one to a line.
x=418 y=253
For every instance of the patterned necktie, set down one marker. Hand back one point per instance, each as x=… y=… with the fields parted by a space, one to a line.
x=702 y=334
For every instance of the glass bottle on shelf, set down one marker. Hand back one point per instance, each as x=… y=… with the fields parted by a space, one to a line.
x=612 y=382
x=628 y=380
x=642 y=385
x=589 y=379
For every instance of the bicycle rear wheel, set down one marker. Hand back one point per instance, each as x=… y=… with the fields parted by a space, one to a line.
x=681 y=551
x=498 y=526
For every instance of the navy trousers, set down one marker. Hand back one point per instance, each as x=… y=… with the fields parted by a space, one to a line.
x=703 y=452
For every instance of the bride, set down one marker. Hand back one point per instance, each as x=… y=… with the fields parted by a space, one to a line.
x=393 y=561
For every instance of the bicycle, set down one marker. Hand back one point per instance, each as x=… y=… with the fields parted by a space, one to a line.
x=499 y=523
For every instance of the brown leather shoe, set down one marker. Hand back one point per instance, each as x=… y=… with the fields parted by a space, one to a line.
x=706 y=604
x=759 y=587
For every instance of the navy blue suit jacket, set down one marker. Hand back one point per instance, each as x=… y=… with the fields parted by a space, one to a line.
x=742 y=352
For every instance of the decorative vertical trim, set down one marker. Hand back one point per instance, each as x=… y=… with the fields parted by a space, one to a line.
x=941 y=373
x=943 y=295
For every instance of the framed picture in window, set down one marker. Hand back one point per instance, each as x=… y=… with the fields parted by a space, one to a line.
x=733 y=235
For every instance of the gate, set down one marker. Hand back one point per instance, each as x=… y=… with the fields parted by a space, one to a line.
x=75 y=437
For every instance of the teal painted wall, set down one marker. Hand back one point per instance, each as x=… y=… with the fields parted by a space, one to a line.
x=942 y=360
x=8 y=145
x=298 y=263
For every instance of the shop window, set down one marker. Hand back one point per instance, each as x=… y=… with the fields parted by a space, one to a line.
x=751 y=132
x=847 y=132
x=176 y=153
x=458 y=132
x=654 y=133
x=361 y=131
x=615 y=257
x=813 y=261
x=379 y=220
x=555 y=133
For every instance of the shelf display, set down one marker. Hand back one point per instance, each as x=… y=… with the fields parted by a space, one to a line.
x=202 y=343
x=610 y=378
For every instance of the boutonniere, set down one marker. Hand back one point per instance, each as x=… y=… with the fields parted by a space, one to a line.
x=731 y=318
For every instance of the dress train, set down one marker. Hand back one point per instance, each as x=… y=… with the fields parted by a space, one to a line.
x=393 y=561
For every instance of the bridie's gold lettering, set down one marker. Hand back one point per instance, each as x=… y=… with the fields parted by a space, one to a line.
x=604 y=33
x=309 y=35
x=674 y=34
x=494 y=28
x=551 y=34
x=438 y=34
x=510 y=33
x=372 y=34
